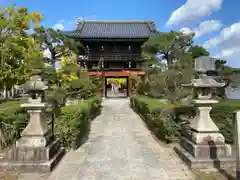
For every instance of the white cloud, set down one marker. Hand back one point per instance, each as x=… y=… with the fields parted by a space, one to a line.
x=193 y=10
x=231 y=55
x=70 y=25
x=227 y=43
x=228 y=38
x=65 y=25
x=205 y=27
x=186 y=30
x=58 y=27
x=225 y=53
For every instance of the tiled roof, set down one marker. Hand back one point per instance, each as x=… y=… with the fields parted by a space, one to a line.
x=114 y=29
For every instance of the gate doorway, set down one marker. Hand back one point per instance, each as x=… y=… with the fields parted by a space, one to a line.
x=116 y=87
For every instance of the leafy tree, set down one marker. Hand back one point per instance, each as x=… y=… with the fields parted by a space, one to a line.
x=197 y=51
x=19 y=51
x=174 y=49
x=167 y=46
x=64 y=50
x=56 y=42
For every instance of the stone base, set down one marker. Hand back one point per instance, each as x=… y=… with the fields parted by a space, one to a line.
x=207 y=151
x=204 y=163
x=32 y=159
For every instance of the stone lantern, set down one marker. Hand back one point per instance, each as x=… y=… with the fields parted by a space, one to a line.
x=204 y=146
x=202 y=100
x=36 y=134
x=36 y=150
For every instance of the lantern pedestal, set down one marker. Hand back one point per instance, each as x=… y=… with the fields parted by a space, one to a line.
x=36 y=150
x=36 y=134
x=203 y=146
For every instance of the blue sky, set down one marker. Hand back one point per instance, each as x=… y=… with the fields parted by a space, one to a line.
x=216 y=22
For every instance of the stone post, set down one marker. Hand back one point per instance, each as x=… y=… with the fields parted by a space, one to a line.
x=36 y=134
x=237 y=143
x=5 y=92
x=202 y=121
x=36 y=150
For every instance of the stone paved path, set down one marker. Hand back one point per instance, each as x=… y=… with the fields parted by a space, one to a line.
x=120 y=148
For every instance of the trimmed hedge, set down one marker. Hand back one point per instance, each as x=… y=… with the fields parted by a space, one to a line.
x=70 y=126
x=73 y=123
x=13 y=119
x=164 y=120
x=221 y=113
x=157 y=116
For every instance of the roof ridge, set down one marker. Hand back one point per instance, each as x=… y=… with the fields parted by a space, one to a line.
x=151 y=27
x=81 y=24
x=119 y=21
x=115 y=28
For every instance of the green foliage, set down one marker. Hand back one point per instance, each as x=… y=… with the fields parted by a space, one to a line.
x=84 y=88
x=161 y=81
x=167 y=121
x=167 y=84
x=157 y=117
x=56 y=96
x=19 y=52
x=13 y=120
x=73 y=123
x=168 y=46
x=198 y=51
x=222 y=114
x=99 y=83
x=65 y=50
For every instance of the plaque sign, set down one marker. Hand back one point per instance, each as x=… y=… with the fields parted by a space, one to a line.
x=204 y=64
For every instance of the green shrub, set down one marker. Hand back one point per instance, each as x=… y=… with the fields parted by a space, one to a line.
x=157 y=117
x=221 y=113
x=73 y=122
x=165 y=121
x=70 y=126
x=13 y=119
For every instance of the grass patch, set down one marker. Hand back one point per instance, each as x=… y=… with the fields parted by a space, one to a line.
x=152 y=103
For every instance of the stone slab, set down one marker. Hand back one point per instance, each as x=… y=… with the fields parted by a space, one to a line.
x=42 y=167
x=206 y=138
x=25 y=154
x=201 y=163
x=206 y=150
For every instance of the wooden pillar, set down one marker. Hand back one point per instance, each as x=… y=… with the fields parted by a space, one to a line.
x=104 y=87
x=129 y=86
